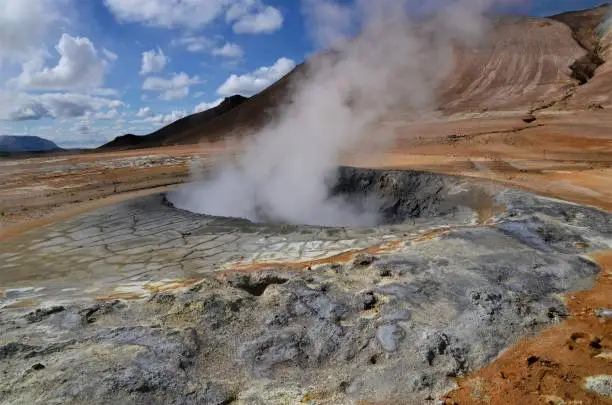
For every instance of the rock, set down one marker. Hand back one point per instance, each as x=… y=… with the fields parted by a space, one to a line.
x=601 y=385
x=595 y=106
x=366 y=300
x=364 y=260
x=529 y=118
x=389 y=336
x=256 y=284
x=263 y=354
x=40 y=314
x=604 y=313
x=213 y=394
x=163 y=299
x=90 y=315
x=12 y=349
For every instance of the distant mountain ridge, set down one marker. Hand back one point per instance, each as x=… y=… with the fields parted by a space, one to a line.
x=26 y=144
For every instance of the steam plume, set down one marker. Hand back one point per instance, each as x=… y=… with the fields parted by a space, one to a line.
x=287 y=168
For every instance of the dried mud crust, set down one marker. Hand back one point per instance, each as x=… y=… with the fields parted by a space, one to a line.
x=394 y=317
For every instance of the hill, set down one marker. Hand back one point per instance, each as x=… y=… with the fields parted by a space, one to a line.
x=14 y=144
x=527 y=65
x=181 y=128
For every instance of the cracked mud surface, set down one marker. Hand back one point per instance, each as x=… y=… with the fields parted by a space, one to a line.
x=142 y=303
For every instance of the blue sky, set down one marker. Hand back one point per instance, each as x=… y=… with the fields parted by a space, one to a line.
x=80 y=72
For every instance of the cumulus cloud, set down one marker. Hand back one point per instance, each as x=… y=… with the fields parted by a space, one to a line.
x=207 y=105
x=106 y=115
x=104 y=92
x=153 y=61
x=174 y=88
x=202 y=44
x=22 y=106
x=144 y=112
x=256 y=81
x=146 y=115
x=164 y=119
x=251 y=16
x=194 y=44
x=229 y=50
x=263 y=21
x=115 y=103
x=167 y=13
x=79 y=67
x=24 y=24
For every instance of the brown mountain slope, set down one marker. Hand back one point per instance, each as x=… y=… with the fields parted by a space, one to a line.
x=182 y=126
x=597 y=92
x=527 y=64
x=235 y=115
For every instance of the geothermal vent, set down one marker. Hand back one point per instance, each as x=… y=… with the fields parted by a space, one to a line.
x=356 y=198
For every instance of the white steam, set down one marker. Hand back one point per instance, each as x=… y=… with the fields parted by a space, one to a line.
x=394 y=62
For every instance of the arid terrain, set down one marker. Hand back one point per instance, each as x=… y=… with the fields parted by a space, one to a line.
x=507 y=300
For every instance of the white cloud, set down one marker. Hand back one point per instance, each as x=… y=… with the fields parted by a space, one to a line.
x=174 y=115
x=106 y=115
x=174 y=88
x=115 y=104
x=79 y=67
x=153 y=62
x=104 y=92
x=229 y=50
x=24 y=25
x=144 y=112
x=167 y=13
x=247 y=16
x=16 y=106
x=84 y=134
x=207 y=106
x=264 y=21
x=165 y=119
x=201 y=44
x=195 y=43
x=252 y=83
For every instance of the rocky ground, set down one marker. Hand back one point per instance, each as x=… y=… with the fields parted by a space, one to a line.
x=308 y=320
x=393 y=314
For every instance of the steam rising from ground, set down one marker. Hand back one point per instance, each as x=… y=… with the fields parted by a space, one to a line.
x=287 y=169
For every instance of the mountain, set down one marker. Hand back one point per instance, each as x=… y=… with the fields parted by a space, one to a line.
x=234 y=115
x=527 y=65
x=13 y=144
x=186 y=127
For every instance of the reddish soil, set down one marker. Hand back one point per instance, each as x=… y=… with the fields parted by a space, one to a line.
x=551 y=368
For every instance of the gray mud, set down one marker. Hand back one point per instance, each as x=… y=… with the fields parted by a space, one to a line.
x=397 y=326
